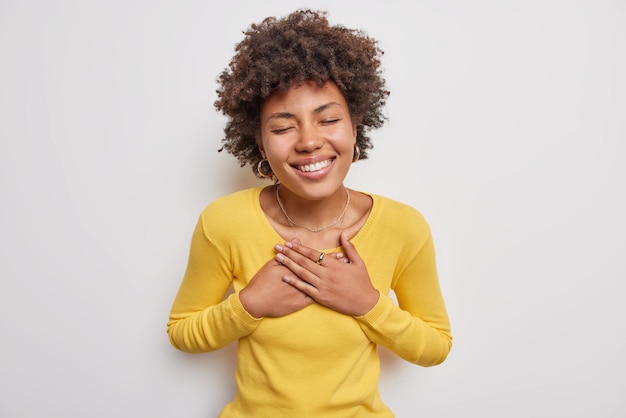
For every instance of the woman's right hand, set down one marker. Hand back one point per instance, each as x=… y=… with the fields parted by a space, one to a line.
x=267 y=295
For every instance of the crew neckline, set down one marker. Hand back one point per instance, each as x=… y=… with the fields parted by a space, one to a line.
x=263 y=220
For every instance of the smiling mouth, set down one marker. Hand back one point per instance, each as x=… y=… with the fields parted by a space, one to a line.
x=314 y=167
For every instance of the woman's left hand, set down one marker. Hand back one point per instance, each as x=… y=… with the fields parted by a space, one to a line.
x=334 y=282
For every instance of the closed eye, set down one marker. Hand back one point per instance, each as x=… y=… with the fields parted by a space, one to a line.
x=279 y=131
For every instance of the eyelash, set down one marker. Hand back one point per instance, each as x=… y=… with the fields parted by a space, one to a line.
x=280 y=131
x=284 y=130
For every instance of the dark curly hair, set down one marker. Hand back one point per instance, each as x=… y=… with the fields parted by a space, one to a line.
x=277 y=54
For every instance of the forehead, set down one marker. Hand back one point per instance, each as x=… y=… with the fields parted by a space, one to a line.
x=303 y=98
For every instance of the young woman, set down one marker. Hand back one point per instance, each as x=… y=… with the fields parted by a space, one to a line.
x=311 y=262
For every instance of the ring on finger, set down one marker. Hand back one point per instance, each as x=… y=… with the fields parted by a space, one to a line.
x=320 y=258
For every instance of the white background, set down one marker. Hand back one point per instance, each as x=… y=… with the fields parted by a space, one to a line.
x=506 y=130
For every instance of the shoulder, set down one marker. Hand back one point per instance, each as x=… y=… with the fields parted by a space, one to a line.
x=399 y=218
x=397 y=212
x=232 y=204
x=231 y=210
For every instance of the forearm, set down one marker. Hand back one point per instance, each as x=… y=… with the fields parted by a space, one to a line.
x=410 y=337
x=211 y=328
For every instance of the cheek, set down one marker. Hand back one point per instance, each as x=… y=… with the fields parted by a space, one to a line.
x=275 y=150
x=344 y=141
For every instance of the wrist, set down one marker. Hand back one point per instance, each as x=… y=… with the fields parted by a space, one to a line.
x=369 y=302
x=248 y=304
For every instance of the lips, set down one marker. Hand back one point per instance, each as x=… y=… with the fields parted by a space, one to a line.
x=310 y=168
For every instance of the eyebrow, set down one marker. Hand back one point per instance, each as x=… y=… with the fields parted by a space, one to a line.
x=288 y=115
x=325 y=106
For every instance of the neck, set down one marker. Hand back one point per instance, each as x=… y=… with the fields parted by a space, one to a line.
x=313 y=215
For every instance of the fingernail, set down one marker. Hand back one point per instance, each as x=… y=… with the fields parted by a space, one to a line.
x=288 y=244
x=280 y=258
x=278 y=247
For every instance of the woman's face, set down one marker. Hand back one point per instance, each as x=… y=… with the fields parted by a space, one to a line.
x=308 y=137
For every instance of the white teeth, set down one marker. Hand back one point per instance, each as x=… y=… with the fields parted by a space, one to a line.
x=314 y=167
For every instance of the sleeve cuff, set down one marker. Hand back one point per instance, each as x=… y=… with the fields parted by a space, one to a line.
x=241 y=313
x=378 y=312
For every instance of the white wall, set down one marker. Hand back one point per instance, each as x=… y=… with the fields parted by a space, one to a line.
x=507 y=130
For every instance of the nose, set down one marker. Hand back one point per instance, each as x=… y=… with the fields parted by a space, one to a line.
x=309 y=139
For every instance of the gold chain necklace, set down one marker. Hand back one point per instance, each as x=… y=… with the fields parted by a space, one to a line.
x=294 y=223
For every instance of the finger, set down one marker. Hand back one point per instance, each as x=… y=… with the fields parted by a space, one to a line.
x=310 y=253
x=351 y=254
x=296 y=267
x=307 y=288
x=299 y=252
x=342 y=257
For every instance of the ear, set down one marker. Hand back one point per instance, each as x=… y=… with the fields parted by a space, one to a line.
x=259 y=144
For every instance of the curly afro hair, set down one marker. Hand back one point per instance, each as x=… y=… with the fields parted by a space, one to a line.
x=277 y=54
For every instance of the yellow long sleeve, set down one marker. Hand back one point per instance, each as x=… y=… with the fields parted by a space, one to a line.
x=314 y=362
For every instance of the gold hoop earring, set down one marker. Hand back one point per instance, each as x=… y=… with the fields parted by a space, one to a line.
x=357 y=154
x=265 y=175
